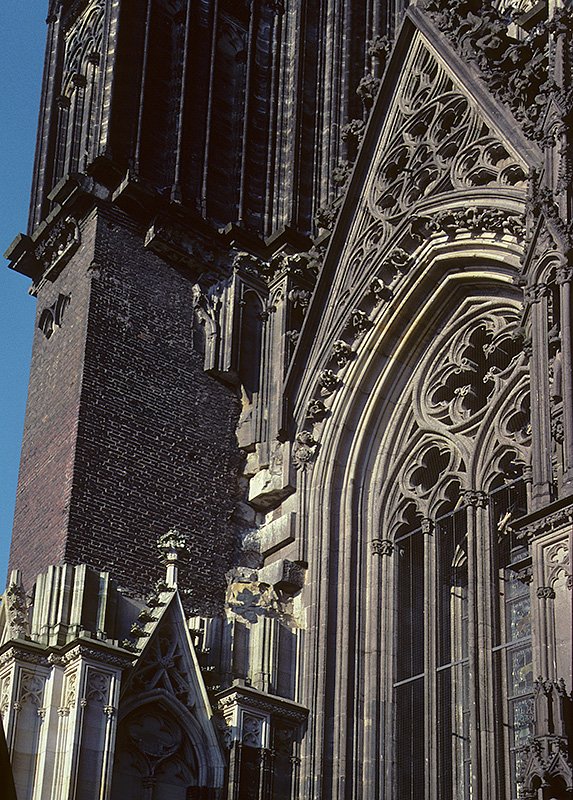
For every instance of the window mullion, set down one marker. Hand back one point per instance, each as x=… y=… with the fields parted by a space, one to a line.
x=478 y=604
x=430 y=683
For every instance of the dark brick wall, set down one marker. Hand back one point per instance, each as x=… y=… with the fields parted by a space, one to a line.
x=52 y=413
x=156 y=442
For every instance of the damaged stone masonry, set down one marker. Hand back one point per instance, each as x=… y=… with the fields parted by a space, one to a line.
x=297 y=471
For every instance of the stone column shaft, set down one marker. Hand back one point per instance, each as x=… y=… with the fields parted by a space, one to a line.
x=564 y=279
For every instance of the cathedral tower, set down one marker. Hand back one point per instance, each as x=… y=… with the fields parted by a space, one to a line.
x=295 y=504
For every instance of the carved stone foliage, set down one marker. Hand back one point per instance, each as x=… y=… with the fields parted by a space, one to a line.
x=380 y=48
x=382 y=547
x=342 y=352
x=516 y=70
x=367 y=90
x=341 y=173
x=549 y=522
x=329 y=382
x=327 y=215
x=358 y=322
x=470 y=220
x=379 y=291
x=353 y=132
x=316 y=410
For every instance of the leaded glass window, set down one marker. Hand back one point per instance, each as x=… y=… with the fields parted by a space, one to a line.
x=512 y=636
x=435 y=676
x=436 y=673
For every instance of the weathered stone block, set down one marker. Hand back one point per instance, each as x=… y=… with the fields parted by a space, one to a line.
x=277 y=534
x=283 y=575
x=273 y=484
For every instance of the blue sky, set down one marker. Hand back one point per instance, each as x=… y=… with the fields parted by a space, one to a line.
x=22 y=37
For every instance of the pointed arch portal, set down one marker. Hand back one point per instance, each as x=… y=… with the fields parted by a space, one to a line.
x=426 y=458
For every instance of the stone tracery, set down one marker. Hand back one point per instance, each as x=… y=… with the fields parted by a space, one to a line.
x=164 y=667
x=474 y=363
x=437 y=142
x=467 y=376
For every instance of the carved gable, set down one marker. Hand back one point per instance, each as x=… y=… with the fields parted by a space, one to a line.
x=438 y=157
x=166 y=735
x=434 y=141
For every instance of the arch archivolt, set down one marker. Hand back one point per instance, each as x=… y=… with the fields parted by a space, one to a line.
x=390 y=283
x=392 y=405
x=434 y=399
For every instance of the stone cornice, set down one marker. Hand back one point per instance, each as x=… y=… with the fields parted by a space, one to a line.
x=93 y=650
x=89 y=649
x=546 y=519
x=27 y=652
x=247 y=697
x=45 y=252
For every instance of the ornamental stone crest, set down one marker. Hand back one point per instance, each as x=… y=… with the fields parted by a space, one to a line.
x=59 y=245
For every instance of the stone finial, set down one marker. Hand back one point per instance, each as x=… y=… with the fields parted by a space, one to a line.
x=17 y=606
x=170 y=544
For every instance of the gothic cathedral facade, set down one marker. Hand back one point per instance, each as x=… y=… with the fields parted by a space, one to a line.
x=295 y=506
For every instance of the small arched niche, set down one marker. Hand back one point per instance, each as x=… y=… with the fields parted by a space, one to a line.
x=155 y=757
